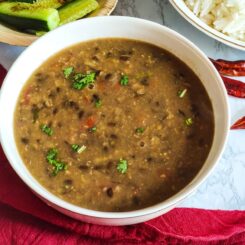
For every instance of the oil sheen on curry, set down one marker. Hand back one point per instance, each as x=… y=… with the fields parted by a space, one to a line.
x=114 y=125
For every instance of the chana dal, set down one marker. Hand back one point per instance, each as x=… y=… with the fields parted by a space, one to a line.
x=114 y=124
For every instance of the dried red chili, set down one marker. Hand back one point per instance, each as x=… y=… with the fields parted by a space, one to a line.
x=230 y=68
x=234 y=87
x=3 y=73
x=240 y=124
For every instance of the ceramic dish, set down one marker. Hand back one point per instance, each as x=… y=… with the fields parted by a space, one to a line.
x=181 y=7
x=13 y=37
x=106 y=27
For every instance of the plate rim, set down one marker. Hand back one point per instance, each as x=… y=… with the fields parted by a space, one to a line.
x=17 y=38
x=203 y=27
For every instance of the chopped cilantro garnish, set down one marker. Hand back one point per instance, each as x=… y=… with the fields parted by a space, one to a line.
x=139 y=130
x=52 y=154
x=77 y=76
x=68 y=71
x=46 y=129
x=122 y=166
x=182 y=92
x=81 y=81
x=77 y=148
x=52 y=159
x=93 y=129
x=188 y=121
x=124 y=80
x=59 y=166
x=98 y=103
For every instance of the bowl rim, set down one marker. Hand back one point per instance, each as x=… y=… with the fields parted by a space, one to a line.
x=170 y=202
x=202 y=26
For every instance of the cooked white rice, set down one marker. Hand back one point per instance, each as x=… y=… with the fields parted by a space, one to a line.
x=227 y=16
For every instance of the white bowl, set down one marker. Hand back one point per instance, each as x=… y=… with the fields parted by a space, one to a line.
x=102 y=27
x=181 y=7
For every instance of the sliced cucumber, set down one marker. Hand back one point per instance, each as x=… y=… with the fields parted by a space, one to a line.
x=40 y=33
x=76 y=10
x=23 y=1
x=48 y=4
x=39 y=3
x=22 y=17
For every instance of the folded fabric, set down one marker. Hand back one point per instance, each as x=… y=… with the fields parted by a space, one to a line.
x=25 y=219
x=3 y=73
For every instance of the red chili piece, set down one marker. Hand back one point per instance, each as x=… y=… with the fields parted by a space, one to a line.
x=3 y=73
x=240 y=124
x=234 y=87
x=230 y=68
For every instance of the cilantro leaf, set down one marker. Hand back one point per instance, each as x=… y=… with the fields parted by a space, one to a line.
x=124 y=80
x=189 y=121
x=51 y=157
x=139 y=130
x=68 y=71
x=81 y=81
x=77 y=148
x=98 y=103
x=52 y=154
x=93 y=129
x=46 y=129
x=59 y=166
x=122 y=166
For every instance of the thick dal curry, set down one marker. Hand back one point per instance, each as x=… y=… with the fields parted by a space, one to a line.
x=114 y=125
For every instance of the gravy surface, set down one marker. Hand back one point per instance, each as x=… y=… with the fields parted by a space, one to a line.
x=114 y=124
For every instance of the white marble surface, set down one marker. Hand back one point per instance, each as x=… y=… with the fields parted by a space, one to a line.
x=225 y=188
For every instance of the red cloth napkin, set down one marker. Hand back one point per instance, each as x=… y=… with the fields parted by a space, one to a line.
x=25 y=219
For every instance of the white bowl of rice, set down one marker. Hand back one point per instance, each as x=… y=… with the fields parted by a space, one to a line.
x=223 y=20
